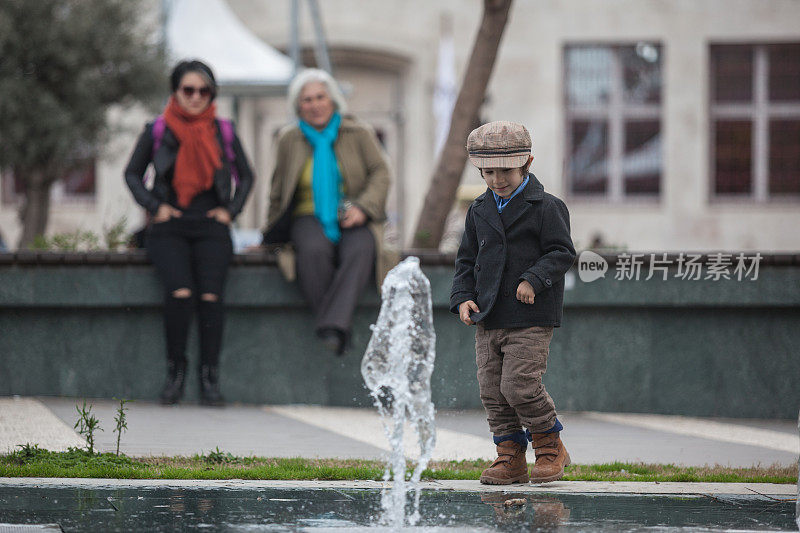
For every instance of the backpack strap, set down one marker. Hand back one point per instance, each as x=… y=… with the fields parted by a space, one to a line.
x=159 y=125
x=226 y=129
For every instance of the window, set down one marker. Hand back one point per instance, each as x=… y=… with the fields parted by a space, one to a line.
x=613 y=109
x=755 y=120
x=75 y=185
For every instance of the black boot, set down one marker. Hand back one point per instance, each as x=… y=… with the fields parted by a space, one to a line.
x=209 y=386
x=334 y=339
x=176 y=377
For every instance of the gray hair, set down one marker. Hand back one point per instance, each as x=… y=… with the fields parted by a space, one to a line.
x=310 y=75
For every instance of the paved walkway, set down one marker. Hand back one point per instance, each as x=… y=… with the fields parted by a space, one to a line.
x=782 y=492
x=328 y=432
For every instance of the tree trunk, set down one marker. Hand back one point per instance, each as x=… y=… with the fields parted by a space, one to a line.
x=447 y=176
x=35 y=208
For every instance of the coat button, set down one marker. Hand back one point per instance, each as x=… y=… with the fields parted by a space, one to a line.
x=506 y=293
x=483 y=242
x=478 y=268
x=548 y=282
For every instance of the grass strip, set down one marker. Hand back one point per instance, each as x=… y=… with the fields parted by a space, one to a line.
x=31 y=461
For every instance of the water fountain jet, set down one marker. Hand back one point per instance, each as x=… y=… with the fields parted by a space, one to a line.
x=397 y=368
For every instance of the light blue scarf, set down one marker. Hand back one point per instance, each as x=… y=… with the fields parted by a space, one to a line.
x=325 y=177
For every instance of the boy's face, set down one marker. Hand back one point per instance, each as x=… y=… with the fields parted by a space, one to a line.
x=503 y=181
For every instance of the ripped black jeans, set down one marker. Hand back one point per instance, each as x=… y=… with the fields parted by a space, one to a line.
x=192 y=253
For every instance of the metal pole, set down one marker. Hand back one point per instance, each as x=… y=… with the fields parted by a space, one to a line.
x=294 y=37
x=320 y=45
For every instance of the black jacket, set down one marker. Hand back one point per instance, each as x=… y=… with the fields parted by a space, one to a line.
x=163 y=163
x=529 y=241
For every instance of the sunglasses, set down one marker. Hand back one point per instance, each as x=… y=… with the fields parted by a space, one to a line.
x=188 y=91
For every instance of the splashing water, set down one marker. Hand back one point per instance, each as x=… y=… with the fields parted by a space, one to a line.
x=397 y=369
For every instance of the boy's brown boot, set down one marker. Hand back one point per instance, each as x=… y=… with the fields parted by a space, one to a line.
x=509 y=467
x=551 y=457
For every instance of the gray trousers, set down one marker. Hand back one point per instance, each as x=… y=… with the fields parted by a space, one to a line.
x=511 y=363
x=332 y=276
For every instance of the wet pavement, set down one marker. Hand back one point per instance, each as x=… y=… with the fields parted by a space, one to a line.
x=346 y=509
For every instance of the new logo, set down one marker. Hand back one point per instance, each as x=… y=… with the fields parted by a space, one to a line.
x=591 y=266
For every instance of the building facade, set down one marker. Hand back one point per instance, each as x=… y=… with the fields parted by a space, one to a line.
x=664 y=124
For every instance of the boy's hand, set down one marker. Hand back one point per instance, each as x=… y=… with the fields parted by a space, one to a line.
x=464 y=310
x=525 y=292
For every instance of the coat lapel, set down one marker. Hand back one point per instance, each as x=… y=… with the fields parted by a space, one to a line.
x=515 y=209
x=164 y=158
x=487 y=210
x=300 y=152
x=533 y=191
x=341 y=149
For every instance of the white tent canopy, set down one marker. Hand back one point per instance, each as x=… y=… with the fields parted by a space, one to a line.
x=208 y=30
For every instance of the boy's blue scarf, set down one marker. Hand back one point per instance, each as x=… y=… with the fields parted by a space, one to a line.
x=503 y=202
x=325 y=177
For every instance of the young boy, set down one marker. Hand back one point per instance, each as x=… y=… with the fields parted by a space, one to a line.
x=509 y=280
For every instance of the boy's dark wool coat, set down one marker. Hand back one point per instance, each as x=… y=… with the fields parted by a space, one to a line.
x=529 y=241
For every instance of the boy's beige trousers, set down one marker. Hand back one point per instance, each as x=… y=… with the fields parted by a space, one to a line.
x=510 y=367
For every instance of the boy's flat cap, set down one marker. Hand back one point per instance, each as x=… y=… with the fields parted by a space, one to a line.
x=500 y=144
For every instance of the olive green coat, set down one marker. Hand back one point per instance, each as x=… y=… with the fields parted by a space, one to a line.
x=365 y=171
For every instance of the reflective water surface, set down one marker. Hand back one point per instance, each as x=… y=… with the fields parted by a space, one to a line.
x=176 y=509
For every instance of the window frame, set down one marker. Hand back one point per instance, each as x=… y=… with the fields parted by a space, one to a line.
x=615 y=114
x=760 y=112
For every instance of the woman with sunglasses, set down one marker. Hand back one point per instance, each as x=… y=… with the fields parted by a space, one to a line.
x=191 y=204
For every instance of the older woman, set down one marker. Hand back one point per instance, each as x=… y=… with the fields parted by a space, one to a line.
x=328 y=198
x=192 y=203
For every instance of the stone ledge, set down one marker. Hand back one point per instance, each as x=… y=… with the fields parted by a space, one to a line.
x=427 y=257
x=255 y=284
x=556 y=487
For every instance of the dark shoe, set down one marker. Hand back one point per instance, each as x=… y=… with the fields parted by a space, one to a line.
x=509 y=467
x=176 y=377
x=333 y=339
x=551 y=457
x=209 y=387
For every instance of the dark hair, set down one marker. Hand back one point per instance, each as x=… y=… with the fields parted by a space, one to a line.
x=523 y=169
x=184 y=67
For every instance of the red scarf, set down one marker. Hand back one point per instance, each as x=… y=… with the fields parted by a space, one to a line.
x=199 y=153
